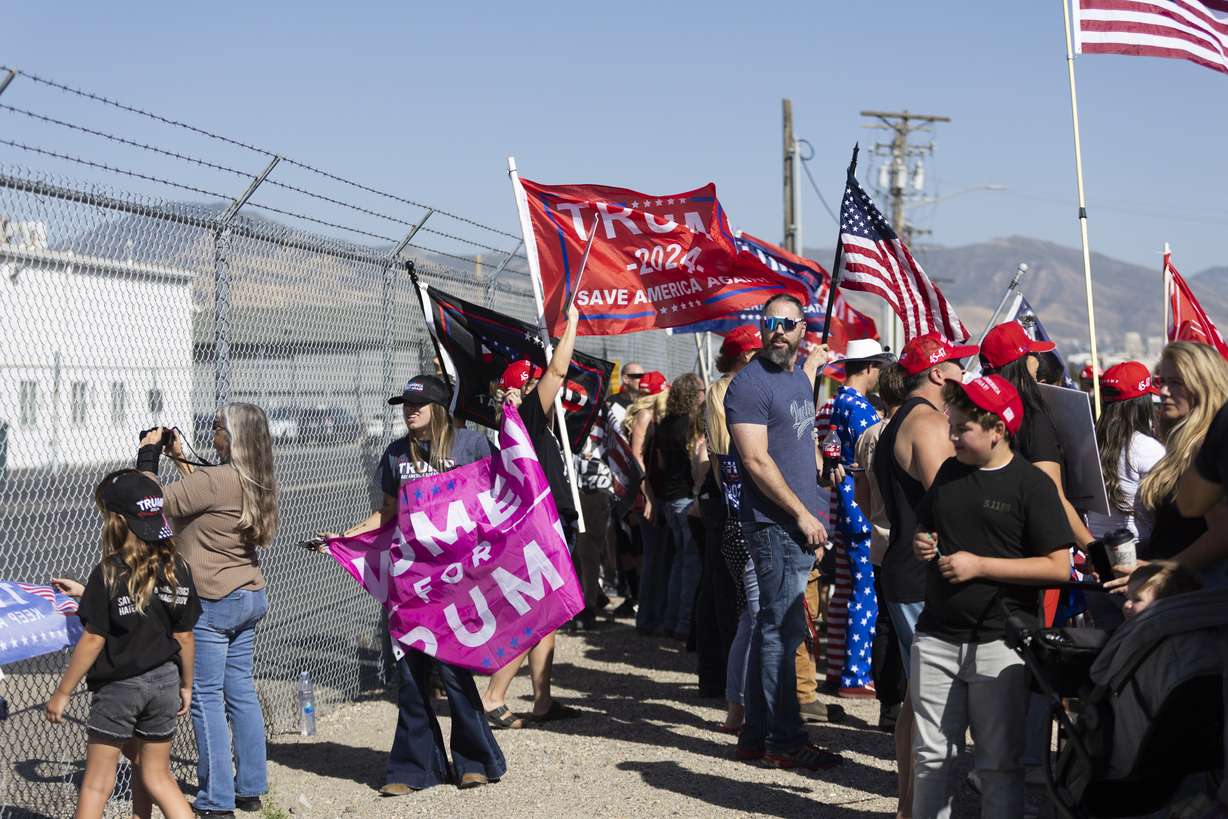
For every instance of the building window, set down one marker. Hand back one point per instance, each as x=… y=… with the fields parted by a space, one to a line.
x=29 y=404
x=155 y=401
x=80 y=402
x=119 y=403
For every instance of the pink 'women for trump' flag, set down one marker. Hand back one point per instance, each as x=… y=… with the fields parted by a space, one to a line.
x=474 y=571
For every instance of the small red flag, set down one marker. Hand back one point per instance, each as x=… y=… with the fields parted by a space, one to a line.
x=1187 y=321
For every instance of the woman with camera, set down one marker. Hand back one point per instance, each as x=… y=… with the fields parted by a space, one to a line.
x=222 y=516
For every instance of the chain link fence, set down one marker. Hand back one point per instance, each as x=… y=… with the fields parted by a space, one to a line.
x=124 y=308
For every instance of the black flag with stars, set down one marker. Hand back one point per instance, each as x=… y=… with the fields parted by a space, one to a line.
x=480 y=343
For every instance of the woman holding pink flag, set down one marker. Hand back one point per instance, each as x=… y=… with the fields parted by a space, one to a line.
x=419 y=758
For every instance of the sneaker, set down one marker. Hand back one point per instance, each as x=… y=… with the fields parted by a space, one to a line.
x=887 y=717
x=861 y=692
x=395 y=789
x=249 y=804
x=221 y=814
x=808 y=757
x=748 y=754
x=821 y=712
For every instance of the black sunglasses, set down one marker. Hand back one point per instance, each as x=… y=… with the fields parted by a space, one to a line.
x=633 y=375
x=774 y=323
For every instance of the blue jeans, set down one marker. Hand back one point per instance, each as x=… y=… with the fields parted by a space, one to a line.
x=419 y=757
x=773 y=717
x=223 y=689
x=735 y=676
x=904 y=618
x=654 y=578
x=685 y=571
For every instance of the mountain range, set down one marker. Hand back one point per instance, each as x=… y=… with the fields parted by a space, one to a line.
x=1128 y=297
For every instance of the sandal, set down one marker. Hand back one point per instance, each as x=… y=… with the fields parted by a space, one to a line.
x=501 y=718
x=556 y=712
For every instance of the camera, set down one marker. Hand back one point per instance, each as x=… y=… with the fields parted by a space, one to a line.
x=168 y=436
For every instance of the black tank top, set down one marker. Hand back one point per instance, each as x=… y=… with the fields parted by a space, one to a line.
x=902 y=575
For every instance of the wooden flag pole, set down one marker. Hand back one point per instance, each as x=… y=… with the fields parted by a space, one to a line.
x=1087 y=256
x=535 y=275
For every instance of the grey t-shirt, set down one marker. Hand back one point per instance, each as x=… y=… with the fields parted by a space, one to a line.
x=783 y=402
x=397 y=465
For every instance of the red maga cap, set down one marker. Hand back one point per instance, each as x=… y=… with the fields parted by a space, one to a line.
x=930 y=350
x=742 y=340
x=652 y=383
x=993 y=393
x=1129 y=379
x=519 y=373
x=1008 y=342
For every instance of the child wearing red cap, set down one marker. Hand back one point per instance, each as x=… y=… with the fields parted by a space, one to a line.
x=1129 y=449
x=992 y=530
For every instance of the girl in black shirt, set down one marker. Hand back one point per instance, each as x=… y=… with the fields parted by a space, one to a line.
x=138 y=609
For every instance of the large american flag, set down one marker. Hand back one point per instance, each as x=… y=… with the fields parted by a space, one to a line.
x=874 y=260
x=1194 y=30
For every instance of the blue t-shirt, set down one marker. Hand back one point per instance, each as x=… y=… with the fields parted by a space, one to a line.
x=783 y=402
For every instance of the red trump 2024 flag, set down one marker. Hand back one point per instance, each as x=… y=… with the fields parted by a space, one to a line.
x=656 y=261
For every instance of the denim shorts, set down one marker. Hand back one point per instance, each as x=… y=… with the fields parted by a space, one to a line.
x=143 y=705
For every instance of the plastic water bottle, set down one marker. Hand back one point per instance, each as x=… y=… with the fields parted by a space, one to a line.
x=306 y=705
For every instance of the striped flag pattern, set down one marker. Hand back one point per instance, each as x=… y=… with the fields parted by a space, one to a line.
x=62 y=603
x=875 y=260
x=1193 y=30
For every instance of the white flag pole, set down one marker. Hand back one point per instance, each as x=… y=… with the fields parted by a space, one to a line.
x=535 y=275
x=1001 y=310
x=1168 y=252
x=1087 y=256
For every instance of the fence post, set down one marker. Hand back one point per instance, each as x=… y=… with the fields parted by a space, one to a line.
x=8 y=78
x=221 y=290
x=389 y=282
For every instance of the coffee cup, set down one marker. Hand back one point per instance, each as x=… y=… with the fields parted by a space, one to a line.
x=1121 y=548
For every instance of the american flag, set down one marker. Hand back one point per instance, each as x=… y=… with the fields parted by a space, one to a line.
x=62 y=603
x=874 y=260
x=1194 y=30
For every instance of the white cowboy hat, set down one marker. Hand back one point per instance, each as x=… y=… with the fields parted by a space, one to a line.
x=868 y=349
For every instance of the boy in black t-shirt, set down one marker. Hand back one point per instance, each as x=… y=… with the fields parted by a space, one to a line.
x=993 y=529
x=138 y=609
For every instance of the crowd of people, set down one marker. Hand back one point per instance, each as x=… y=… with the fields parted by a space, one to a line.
x=948 y=510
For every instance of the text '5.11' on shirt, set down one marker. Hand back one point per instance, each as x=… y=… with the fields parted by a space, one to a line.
x=783 y=401
x=1009 y=512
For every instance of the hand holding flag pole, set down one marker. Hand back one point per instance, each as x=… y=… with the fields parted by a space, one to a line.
x=835 y=265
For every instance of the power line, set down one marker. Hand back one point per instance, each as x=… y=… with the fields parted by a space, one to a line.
x=817 y=192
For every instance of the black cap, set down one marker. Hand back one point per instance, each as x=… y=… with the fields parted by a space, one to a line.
x=139 y=499
x=424 y=389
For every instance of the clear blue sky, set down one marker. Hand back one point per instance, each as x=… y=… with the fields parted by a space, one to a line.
x=427 y=99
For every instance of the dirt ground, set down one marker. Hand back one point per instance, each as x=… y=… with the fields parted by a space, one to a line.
x=645 y=745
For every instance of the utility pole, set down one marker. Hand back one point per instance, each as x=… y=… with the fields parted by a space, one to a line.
x=793 y=205
x=901 y=177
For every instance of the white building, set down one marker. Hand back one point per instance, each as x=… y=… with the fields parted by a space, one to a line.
x=92 y=350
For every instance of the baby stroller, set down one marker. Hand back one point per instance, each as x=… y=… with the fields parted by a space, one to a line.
x=1136 y=711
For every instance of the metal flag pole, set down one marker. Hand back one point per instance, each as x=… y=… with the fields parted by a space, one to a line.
x=1168 y=254
x=1011 y=289
x=535 y=275
x=699 y=353
x=1087 y=255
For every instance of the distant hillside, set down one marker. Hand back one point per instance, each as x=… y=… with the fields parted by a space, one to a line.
x=1128 y=296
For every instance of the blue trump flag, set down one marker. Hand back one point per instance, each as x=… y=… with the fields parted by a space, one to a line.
x=1023 y=313
x=34 y=620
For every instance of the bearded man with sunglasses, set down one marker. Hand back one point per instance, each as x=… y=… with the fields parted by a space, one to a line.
x=770 y=411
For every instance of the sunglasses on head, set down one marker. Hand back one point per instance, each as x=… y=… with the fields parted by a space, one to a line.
x=774 y=323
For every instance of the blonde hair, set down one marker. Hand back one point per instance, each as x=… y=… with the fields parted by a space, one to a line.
x=251 y=455
x=1205 y=375
x=441 y=436
x=654 y=403
x=146 y=562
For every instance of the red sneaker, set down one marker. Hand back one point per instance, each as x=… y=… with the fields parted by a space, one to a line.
x=808 y=757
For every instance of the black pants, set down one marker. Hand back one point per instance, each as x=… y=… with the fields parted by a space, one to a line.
x=716 y=616
x=887 y=666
